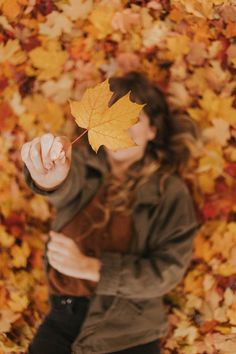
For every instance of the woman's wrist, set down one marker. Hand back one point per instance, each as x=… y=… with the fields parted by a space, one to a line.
x=92 y=268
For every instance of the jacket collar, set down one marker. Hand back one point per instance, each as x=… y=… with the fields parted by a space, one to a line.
x=148 y=193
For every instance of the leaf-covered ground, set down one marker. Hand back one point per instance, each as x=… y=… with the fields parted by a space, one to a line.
x=51 y=51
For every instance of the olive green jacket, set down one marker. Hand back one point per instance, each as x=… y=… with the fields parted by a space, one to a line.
x=127 y=307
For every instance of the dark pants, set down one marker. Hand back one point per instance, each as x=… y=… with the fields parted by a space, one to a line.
x=61 y=326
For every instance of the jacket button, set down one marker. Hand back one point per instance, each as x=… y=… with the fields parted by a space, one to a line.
x=66 y=301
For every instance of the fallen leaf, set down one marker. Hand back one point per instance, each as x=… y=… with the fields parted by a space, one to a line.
x=56 y=24
x=48 y=61
x=77 y=9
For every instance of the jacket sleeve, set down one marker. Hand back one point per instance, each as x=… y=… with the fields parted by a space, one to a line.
x=134 y=276
x=69 y=188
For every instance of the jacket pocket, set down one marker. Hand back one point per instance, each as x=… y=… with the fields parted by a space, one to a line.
x=124 y=314
x=123 y=308
x=135 y=306
x=122 y=305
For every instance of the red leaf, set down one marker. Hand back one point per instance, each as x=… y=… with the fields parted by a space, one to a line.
x=231 y=169
x=3 y=83
x=208 y=326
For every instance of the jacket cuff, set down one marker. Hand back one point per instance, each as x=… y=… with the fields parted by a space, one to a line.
x=110 y=272
x=30 y=182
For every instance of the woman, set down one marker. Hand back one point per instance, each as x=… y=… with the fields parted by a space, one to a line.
x=122 y=236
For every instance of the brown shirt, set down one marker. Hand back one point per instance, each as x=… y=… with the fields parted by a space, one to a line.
x=114 y=236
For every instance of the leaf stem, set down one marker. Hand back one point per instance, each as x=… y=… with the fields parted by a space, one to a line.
x=80 y=136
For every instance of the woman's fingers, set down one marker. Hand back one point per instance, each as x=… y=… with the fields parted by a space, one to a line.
x=25 y=155
x=60 y=242
x=35 y=155
x=56 y=148
x=58 y=248
x=46 y=144
x=51 y=249
x=60 y=150
x=46 y=151
x=61 y=158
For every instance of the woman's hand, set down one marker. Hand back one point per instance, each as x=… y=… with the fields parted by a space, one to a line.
x=48 y=159
x=65 y=256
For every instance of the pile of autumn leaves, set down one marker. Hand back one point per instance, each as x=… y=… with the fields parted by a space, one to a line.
x=50 y=53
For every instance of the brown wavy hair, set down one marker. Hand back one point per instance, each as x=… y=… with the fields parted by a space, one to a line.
x=173 y=150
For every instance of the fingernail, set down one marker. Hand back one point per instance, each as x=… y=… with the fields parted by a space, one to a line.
x=53 y=155
x=63 y=160
x=62 y=153
x=48 y=165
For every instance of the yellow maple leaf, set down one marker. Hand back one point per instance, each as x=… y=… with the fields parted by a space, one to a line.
x=200 y=8
x=11 y=52
x=7 y=318
x=48 y=61
x=216 y=106
x=76 y=9
x=177 y=46
x=101 y=19
x=6 y=240
x=10 y=8
x=20 y=255
x=193 y=281
x=105 y=126
x=56 y=24
x=38 y=108
x=18 y=301
x=226 y=269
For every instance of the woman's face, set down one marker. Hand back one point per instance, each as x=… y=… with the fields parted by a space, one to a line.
x=141 y=133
